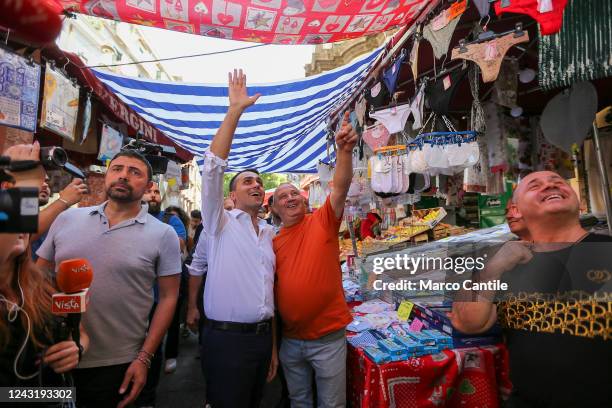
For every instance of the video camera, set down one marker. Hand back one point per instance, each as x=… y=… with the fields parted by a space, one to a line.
x=19 y=206
x=155 y=154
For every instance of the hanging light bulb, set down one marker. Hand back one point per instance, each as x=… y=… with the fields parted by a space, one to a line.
x=516 y=111
x=526 y=75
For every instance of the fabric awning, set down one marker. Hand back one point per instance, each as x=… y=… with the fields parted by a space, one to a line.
x=125 y=113
x=263 y=21
x=285 y=131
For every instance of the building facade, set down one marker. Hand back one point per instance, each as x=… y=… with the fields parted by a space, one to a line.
x=98 y=42
x=329 y=56
x=104 y=42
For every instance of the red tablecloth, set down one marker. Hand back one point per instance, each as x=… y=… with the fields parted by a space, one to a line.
x=466 y=378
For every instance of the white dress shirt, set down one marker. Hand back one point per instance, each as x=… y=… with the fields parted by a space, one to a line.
x=199 y=261
x=240 y=279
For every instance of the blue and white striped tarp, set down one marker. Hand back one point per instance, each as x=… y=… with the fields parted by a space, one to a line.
x=284 y=132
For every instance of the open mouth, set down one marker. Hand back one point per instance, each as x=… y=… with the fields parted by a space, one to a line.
x=552 y=197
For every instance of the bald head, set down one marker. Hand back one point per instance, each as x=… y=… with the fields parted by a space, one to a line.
x=289 y=204
x=545 y=194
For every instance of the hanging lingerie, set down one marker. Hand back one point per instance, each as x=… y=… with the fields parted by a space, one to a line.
x=489 y=54
x=360 y=110
x=377 y=96
x=388 y=174
x=483 y=6
x=548 y=13
x=376 y=136
x=325 y=172
x=438 y=97
x=393 y=118
x=414 y=56
x=390 y=75
x=440 y=31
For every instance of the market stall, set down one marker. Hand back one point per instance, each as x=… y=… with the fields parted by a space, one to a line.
x=450 y=120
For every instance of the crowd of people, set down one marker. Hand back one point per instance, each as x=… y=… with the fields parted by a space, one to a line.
x=265 y=295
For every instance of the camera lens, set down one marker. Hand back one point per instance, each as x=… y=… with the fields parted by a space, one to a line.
x=53 y=156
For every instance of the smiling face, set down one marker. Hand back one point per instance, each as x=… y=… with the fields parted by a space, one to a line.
x=248 y=193
x=126 y=180
x=289 y=204
x=543 y=194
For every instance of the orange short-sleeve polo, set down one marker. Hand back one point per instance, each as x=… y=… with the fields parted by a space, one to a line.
x=308 y=290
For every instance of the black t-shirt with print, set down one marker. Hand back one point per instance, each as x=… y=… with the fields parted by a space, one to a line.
x=557 y=321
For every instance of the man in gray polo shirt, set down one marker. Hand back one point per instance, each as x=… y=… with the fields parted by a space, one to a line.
x=129 y=250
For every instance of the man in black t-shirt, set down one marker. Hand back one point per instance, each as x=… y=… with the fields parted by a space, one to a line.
x=557 y=311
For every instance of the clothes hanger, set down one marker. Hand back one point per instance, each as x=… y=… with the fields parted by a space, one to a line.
x=490 y=35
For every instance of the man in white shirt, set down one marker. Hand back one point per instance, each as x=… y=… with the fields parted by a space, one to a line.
x=238 y=340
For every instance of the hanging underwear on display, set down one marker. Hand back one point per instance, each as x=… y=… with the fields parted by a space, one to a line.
x=414 y=55
x=440 y=93
x=440 y=31
x=389 y=174
x=483 y=6
x=376 y=136
x=416 y=107
x=548 y=13
x=390 y=76
x=377 y=96
x=393 y=118
x=325 y=172
x=490 y=54
x=360 y=109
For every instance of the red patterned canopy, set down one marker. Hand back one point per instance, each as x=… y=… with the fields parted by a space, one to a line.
x=264 y=21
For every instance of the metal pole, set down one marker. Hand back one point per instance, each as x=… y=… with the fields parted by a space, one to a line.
x=603 y=173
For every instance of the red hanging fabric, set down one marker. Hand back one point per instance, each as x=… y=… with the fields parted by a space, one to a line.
x=263 y=21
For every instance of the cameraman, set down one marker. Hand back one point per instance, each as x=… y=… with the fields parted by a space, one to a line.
x=68 y=197
x=28 y=354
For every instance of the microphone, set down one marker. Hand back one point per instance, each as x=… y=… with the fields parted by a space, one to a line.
x=73 y=279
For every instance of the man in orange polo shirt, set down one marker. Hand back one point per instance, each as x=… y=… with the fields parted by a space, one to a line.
x=308 y=287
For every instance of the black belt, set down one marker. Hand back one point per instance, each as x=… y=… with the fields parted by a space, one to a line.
x=263 y=327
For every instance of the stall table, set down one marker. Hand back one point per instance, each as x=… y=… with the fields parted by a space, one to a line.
x=469 y=377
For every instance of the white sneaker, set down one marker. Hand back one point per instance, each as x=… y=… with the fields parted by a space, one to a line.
x=170 y=365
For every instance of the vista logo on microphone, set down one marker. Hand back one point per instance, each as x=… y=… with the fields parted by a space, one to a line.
x=74 y=303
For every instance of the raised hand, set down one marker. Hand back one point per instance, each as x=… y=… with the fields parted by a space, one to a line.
x=346 y=138
x=238 y=96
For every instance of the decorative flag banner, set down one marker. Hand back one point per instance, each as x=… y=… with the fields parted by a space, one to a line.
x=60 y=105
x=19 y=89
x=284 y=131
x=262 y=21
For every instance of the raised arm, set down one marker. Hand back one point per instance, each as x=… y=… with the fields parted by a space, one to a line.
x=239 y=100
x=346 y=139
x=215 y=160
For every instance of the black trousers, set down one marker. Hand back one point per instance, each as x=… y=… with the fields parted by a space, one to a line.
x=236 y=367
x=98 y=387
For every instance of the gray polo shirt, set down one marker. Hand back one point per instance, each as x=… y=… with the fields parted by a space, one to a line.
x=126 y=261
